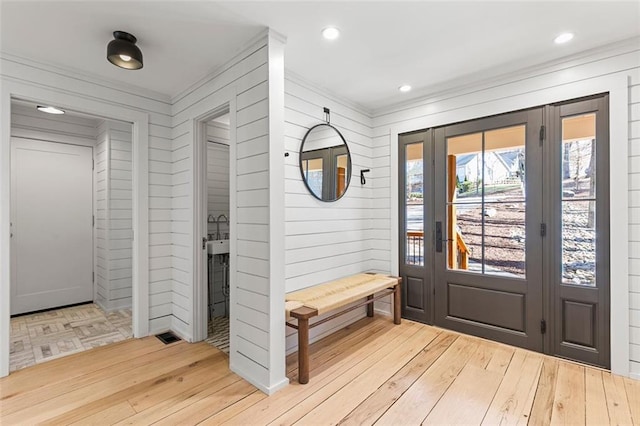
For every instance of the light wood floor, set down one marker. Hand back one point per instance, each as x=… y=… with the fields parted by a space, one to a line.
x=372 y=372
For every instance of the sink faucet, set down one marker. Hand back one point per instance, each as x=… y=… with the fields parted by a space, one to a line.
x=218 y=220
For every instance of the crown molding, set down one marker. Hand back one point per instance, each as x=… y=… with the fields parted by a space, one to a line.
x=85 y=76
x=460 y=86
x=323 y=91
x=257 y=42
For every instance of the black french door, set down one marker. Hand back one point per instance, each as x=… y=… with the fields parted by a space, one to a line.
x=503 y=228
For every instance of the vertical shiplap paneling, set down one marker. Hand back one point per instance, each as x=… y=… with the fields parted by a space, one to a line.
x=325 y=241
x=624 y=60
x=217 y=203
x=247 y=74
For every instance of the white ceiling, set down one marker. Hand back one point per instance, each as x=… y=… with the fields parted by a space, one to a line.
x=429 y=45
x=181 y=42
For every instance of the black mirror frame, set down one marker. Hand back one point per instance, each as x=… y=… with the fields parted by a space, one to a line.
x=349 y=163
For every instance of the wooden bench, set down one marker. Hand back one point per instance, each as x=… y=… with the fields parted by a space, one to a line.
x=317 y=300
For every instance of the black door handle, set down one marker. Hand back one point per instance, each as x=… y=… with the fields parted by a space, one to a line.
x=439 y=237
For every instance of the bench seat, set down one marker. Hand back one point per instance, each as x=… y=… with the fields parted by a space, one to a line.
x=335 y=294
x=317 y=300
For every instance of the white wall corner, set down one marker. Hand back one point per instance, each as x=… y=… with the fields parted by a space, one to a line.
x=618 y=87
x=181 y=329
x=395 y=227
x=5 y=193
x=277 y=344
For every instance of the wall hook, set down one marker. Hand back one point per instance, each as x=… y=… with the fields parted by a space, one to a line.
x=362 y=172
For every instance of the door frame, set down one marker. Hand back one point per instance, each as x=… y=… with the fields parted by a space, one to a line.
x=481 y=104
x=140 y=200
x=200 y=288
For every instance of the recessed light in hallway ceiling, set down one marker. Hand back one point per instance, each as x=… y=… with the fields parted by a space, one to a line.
x=404 y=88
x=563 y=38
x=330 y=33
x=49 y=109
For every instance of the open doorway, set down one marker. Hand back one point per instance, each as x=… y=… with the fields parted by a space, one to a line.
x=71 y=233
x=218 y=229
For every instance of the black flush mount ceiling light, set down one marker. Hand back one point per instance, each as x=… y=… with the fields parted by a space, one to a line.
x=123 y=52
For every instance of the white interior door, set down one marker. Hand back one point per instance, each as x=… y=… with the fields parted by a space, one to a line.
x=51 y=225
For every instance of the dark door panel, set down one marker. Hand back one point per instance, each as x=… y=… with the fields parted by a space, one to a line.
x=471 y=303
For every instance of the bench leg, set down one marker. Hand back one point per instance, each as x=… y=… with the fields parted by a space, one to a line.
x=370 y=306
x=303 y=351
x=397 y=304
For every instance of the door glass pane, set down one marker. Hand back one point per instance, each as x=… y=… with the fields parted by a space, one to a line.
x=466 y=248
x=504 y=164
x=579 y=200
x=578 y=242
x=414 y=204
x=313 y=174
x=504 y=239
x=486 y=202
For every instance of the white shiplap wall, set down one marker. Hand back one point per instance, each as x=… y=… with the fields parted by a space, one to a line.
x=502 y=95
x=88 y=93
x=325 y=241
x=101 y=208
x=634 y=219
x=245 y=82
x=119 y=215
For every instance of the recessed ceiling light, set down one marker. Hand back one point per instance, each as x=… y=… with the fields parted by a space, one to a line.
x=49 y=109
x=563 y=38
x=404 y=88
x=331 y=33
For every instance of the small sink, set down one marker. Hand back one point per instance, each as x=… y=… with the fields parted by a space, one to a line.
x=218 y=246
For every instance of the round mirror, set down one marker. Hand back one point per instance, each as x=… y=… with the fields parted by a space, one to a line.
x=325 y=162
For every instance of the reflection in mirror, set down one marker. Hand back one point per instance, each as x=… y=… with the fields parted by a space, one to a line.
x=325 y=162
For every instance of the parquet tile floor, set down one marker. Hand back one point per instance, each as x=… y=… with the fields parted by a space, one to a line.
x=44 y=336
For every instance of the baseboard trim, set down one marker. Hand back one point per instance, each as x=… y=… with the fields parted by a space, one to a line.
x=268 y=390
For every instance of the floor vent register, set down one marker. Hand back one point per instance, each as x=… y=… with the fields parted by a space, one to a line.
x=168 y=337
